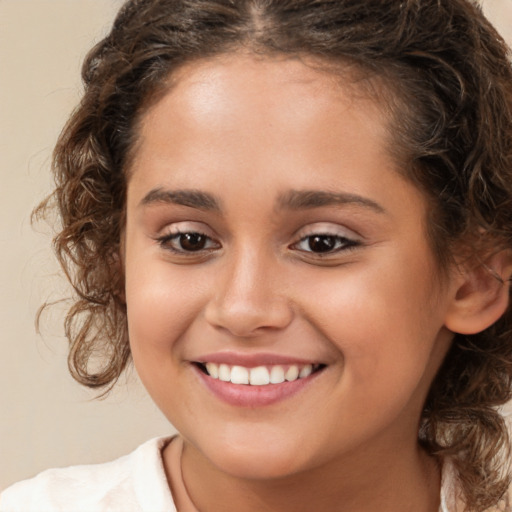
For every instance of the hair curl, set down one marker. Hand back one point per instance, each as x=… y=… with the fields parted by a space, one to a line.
x=450 y=82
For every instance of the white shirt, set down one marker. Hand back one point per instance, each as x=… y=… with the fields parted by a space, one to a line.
x=133 y=483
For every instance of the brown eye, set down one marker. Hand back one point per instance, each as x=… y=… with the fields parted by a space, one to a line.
x=322 y=243
x=188 y=242
x=192 y=241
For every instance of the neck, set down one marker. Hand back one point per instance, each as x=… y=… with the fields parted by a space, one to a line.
x=395 y=481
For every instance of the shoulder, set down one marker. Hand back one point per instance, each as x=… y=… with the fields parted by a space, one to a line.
x=133 y=483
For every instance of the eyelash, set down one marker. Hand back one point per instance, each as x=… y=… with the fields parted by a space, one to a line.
x=340 y=243
x=166 y=242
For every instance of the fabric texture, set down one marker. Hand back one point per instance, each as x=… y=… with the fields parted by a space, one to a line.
x=134 y=483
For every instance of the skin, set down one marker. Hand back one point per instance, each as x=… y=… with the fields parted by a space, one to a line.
x=246 y=132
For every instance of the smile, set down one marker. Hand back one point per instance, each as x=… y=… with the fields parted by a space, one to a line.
x=259 y=375
x=255 y=380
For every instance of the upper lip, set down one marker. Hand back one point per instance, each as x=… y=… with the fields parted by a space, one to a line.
x=253 y=360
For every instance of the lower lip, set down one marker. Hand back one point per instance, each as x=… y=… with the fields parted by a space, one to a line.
x=243 y=395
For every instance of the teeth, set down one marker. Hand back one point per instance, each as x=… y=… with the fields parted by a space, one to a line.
x=260 y=375
x=306 y=371
x=277 y=375
x=292 y=373
x=224 y=373
x=240 y=375
x=213 y=370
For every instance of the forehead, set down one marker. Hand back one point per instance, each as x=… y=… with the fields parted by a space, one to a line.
x=288 y=94
x=269 y=77
x=237 y=123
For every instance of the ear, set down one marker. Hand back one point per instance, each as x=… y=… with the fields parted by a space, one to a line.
x=481 y=295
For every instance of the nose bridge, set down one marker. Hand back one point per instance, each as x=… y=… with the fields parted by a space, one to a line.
x=249 y=298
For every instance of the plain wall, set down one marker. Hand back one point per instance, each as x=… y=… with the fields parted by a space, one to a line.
x=46 y=419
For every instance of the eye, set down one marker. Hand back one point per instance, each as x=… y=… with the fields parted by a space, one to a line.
x=187 y=242
x=320 y=243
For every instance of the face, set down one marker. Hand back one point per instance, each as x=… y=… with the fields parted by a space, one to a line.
x=283 y=308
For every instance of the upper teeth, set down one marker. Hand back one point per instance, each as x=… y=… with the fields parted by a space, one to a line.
x=260 y=375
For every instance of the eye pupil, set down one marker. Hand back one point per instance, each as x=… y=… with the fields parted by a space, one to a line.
x=192 y=241
x=322 y=243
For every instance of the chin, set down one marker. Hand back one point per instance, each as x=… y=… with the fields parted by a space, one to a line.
x=257 y=459
x=264 y=466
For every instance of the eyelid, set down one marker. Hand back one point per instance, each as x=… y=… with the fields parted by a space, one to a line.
x=329 y=229
x=346 y=241
x=176 y=228
x=171 y=231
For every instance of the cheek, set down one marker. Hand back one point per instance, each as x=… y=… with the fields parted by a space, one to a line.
x=390 y=349
x=383 y=320
x=161 y=306
x=162 y=302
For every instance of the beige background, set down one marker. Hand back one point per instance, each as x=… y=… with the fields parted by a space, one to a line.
x=46 y=419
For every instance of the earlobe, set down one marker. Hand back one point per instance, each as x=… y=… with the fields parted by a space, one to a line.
x=481 y=295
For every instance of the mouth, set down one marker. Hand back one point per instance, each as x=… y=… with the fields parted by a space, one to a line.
x=257 y=379
x=265 y=375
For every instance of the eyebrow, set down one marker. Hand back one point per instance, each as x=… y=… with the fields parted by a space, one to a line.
x=191 y=198
x=292 y=200
x=304 y=199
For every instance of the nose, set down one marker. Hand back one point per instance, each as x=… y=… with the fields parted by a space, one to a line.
x=249 y=299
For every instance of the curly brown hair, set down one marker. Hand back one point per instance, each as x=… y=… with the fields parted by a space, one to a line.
x=449 y=81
